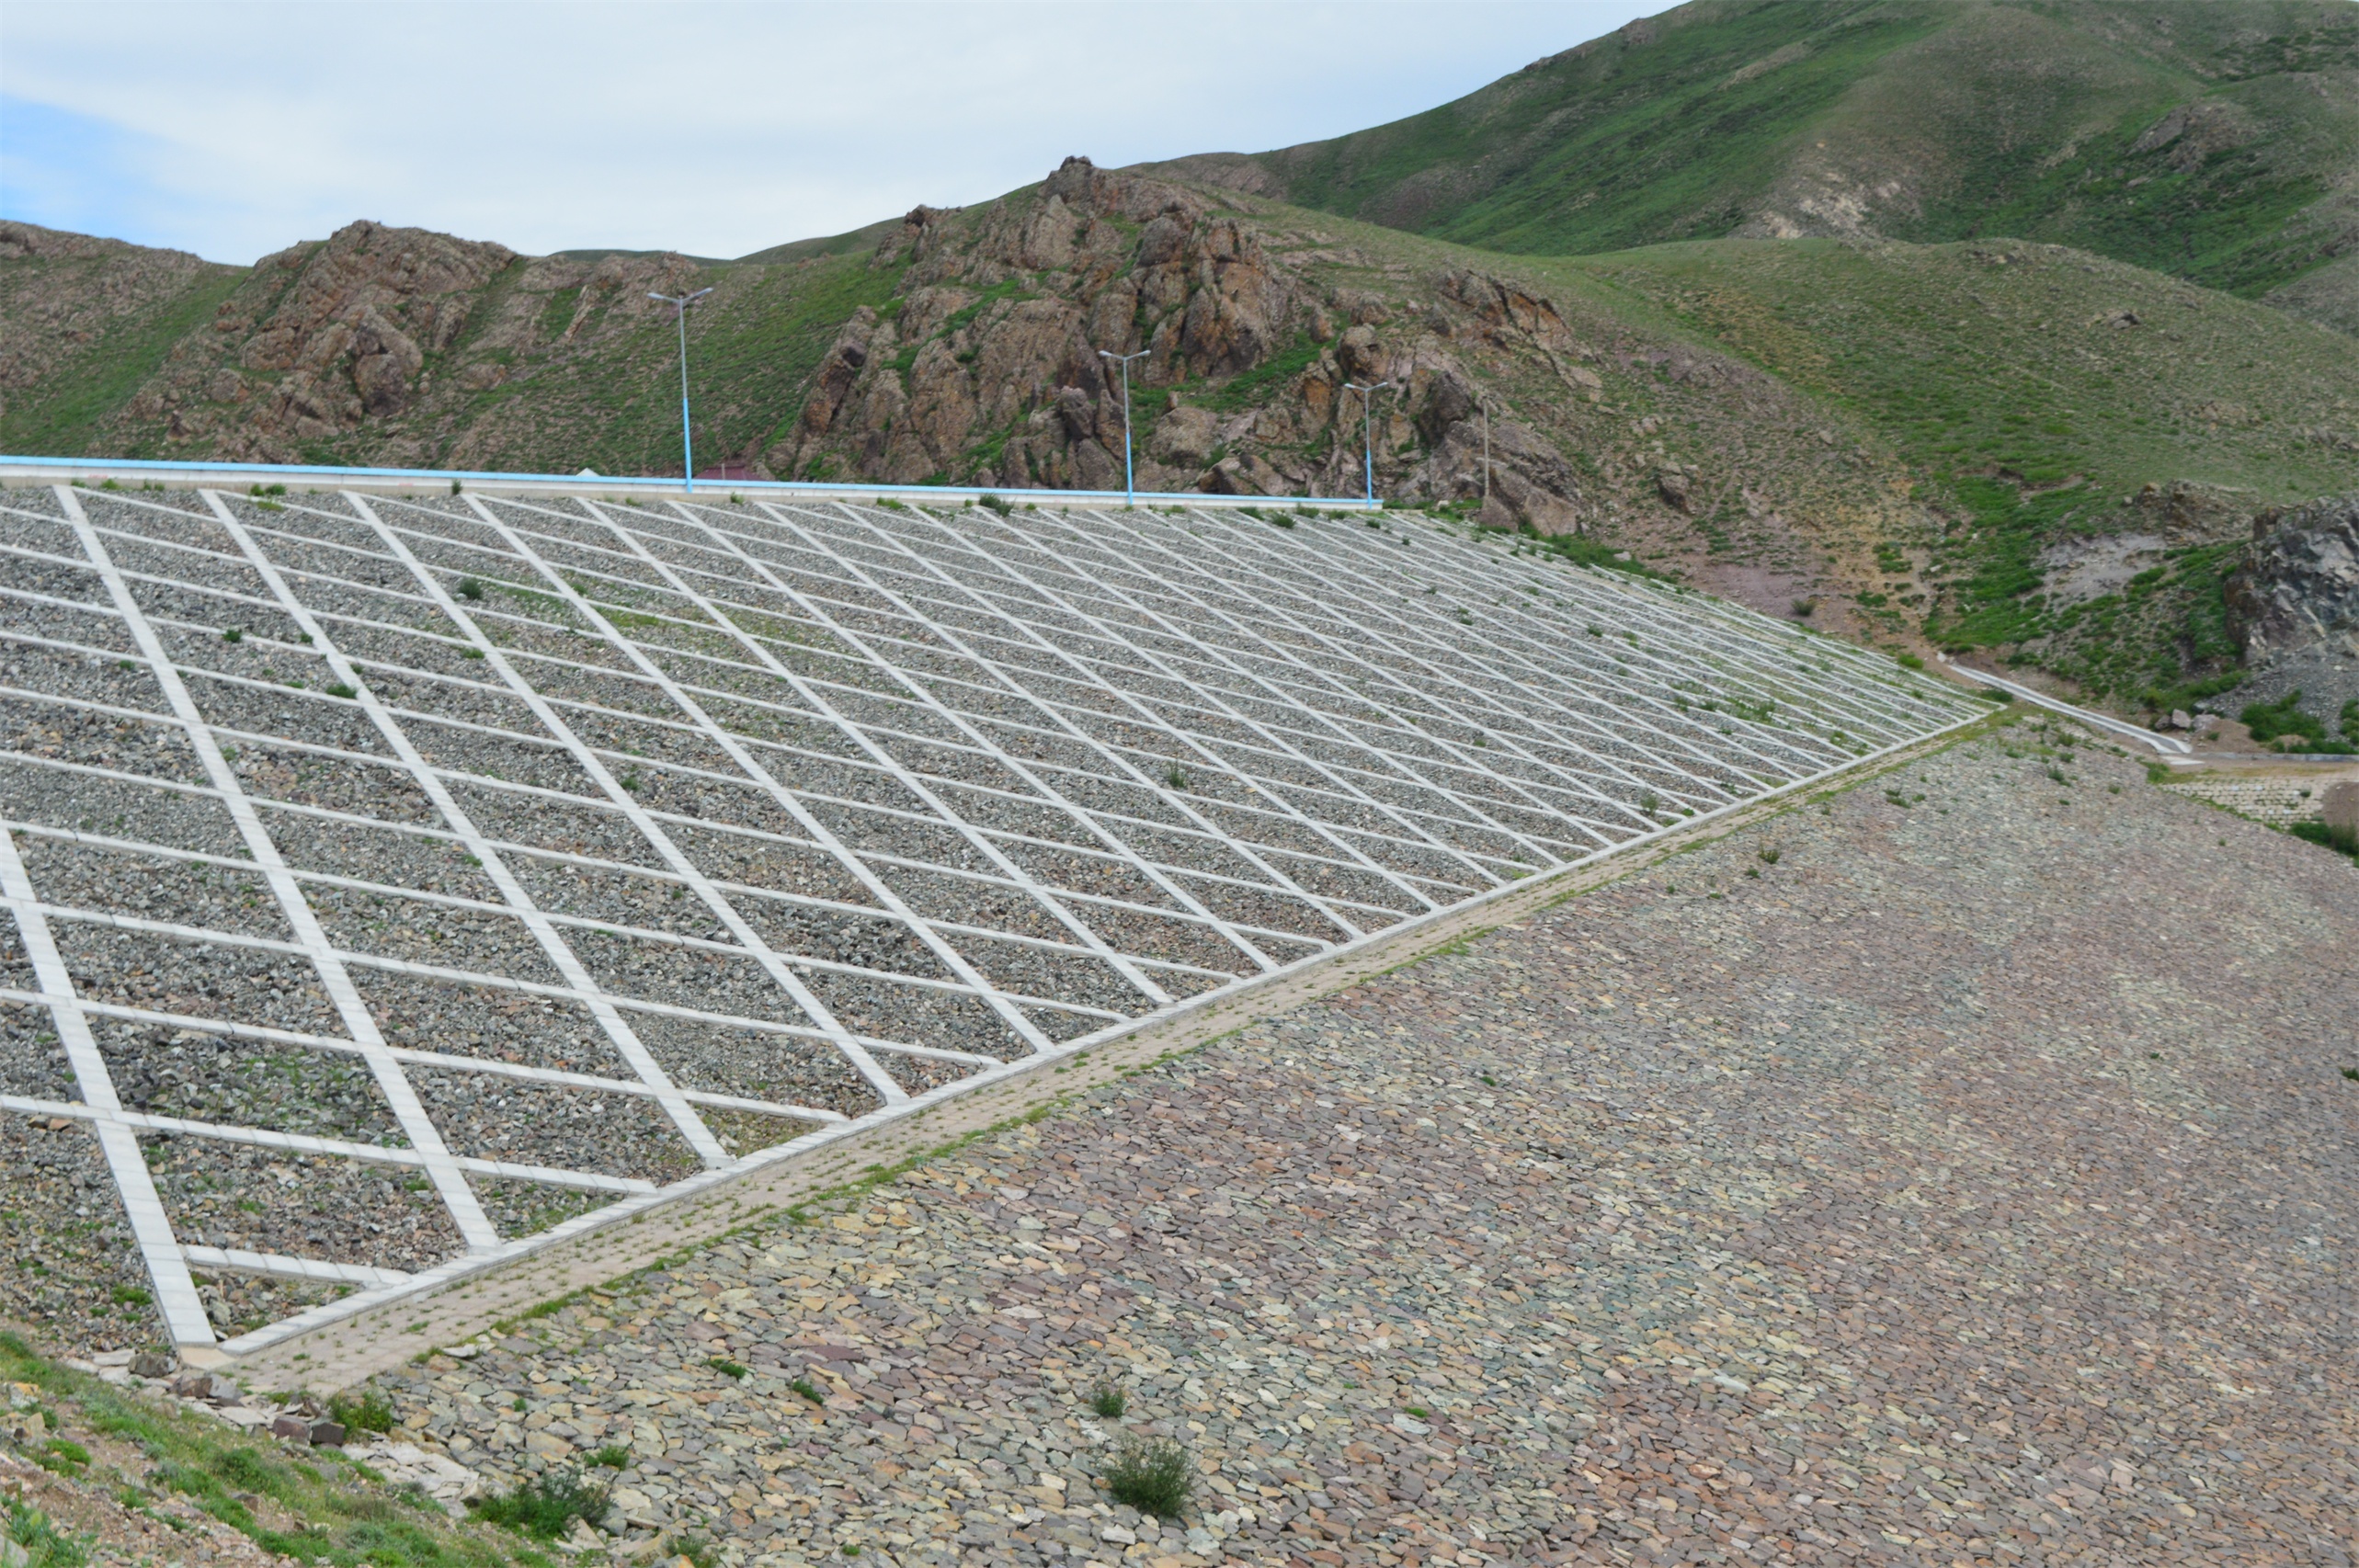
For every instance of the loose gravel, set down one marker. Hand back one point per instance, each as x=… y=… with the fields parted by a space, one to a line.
x=1954 y=1170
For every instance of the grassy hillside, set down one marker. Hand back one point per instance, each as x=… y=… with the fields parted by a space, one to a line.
x=609 y=399
x=2030 y=393
x=82 y=323
x=2207 y=140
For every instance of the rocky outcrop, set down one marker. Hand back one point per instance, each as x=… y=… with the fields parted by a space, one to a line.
x=2294 y=604
x=992 y=371
x=322 y=339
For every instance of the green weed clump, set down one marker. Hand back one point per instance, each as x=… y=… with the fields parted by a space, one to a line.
x=700 y=1552
x=1108 y=1400
x=43 y=1544
x=545 y=1506
x=1153 y=1475
x=367 y=1412
x=62 y=1454
x=2337 y=838
x=2284 y=724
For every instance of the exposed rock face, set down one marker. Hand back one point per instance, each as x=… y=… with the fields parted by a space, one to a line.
x=2295 y=605
x=324 y=337
x=990 y=371
x=2187 y=511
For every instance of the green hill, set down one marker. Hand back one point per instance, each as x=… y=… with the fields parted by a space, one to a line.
x=2032 y=394
x=2210 y=139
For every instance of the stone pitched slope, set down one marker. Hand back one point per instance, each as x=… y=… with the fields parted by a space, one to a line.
x=1907 y=1198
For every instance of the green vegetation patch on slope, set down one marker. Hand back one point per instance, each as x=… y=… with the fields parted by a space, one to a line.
x=313 y=1507
x=2033 y=388
x=65 y=410
x=611 y=401
x=2189 y=137
x=1612 y=146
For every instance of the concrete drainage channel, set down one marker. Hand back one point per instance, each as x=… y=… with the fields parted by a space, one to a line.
x=435 y=904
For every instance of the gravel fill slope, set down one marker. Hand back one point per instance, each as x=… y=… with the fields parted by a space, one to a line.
x=1970 y=1183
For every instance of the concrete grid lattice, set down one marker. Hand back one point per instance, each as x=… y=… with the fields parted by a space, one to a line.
x=511 y=861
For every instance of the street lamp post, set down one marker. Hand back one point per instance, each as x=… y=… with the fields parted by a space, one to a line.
x=688 y=452
x=1129 y=489
x=1367 y=431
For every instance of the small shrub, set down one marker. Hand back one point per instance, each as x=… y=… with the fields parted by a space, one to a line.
x=546 y=1506
x=996 y=503
x=2273 y=720
x=1153 y=1475
x=614 y=1456
x=470 y=589
x=1909 y=661
x=233 y=634
x=369 y=1411
x=728 y=1368
x=454 y=487
x=1108 y=1400
x=129 y=1296
x=1805 y=608
x=2337 y=838
x=337 y=689
x=1175 y=776
x=1769 y=856
x=268 y=490
x=804 y=1387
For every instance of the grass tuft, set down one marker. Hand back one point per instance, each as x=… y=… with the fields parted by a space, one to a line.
x=545 y=1506
x=367 y=1412
x=1153 y=1475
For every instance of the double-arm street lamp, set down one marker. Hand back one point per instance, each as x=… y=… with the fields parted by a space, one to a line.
x=1367 y=430
x=688 y=454
x=1129 y=489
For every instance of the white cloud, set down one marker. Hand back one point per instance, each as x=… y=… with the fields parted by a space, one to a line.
x=716 y=128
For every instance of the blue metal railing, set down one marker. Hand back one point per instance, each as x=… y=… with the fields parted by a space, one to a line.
x=103 y=468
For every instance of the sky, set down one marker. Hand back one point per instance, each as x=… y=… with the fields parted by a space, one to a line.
x=236 y=130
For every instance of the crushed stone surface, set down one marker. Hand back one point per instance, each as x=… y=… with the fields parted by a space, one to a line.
x=1969 y=1184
